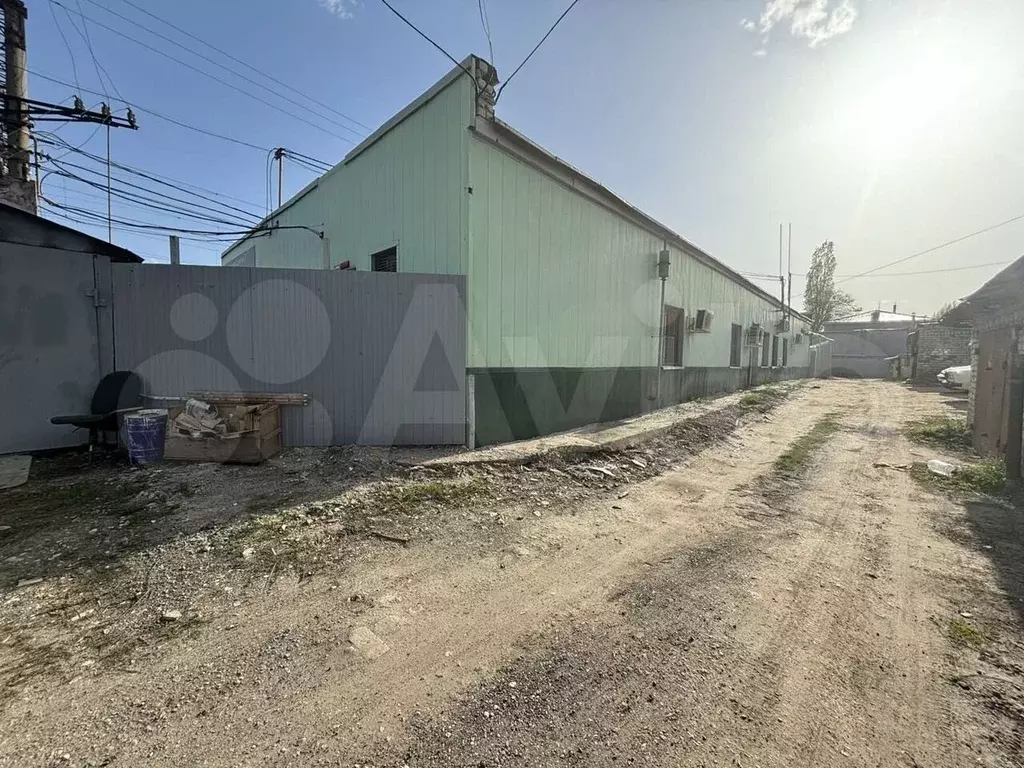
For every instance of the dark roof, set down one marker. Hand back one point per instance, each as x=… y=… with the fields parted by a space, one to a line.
x=1002 y=295
x=25 y=228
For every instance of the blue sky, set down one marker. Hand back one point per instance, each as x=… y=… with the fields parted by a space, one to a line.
x=887 y=126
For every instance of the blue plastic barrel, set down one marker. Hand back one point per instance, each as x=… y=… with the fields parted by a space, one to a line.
x=144 y=432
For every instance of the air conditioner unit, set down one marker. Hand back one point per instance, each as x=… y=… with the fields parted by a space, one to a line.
x=783 y=326
x=702 y=320
x=755 y=336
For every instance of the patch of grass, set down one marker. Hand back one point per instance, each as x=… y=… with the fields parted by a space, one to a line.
x=962 y=633
x=762 y=399
x=942 y=431
x=984 y=477
x=800 y=452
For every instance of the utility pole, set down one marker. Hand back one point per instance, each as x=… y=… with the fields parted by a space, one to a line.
x=279 y=156
x=16 y=88
x=110 y=221
x=17 y=187
x=782 y=280
x=20 y=113
x=789 y=270
x=175 y=249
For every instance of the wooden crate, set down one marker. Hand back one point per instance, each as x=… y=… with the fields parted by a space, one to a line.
x=257 y=441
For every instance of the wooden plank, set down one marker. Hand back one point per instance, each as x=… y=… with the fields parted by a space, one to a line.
x=252 y=398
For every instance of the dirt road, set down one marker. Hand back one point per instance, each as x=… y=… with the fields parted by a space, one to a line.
x=720 y=613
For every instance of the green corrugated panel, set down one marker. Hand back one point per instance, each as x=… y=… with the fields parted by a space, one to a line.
x=557 y=280
x=405 y=189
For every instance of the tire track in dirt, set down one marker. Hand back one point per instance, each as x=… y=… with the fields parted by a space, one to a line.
x=286 y=687
x=807 y=639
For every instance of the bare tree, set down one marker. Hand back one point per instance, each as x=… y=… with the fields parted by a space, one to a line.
x=823 y=302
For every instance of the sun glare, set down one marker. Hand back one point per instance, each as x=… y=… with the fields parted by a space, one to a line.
x=921 y=96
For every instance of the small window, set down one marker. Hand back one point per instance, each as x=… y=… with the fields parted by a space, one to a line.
x=775 y=351
x=785 y=352
x=766 y=350
x=386 y=260
x=736 y=348
x=672 y=353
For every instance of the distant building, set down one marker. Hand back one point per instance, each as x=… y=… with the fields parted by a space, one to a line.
x=864 y=343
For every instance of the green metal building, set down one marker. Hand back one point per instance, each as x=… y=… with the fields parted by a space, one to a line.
x=569 y=318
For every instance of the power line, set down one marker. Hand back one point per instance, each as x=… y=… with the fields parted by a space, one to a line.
x=292 y=153
x=546 y=36
x=485 y=23
x=775 y=278
x=222 y=66
x=231 y=209
x=254 y=232
x=424 y=35
x=175 y=186
x=936 y=247
x=71 y=55
x=223 y=82
x=135 y=233
x=144 y=110
x=247 y=65
x=167 y=181
x=226 y=218
x=154 y=205
x=66 y=192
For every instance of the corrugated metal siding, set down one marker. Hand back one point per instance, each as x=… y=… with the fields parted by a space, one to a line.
x=356 y=343
x=558 y=280
x=406 y=189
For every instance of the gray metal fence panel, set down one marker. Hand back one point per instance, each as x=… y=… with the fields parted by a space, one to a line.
x=382 y=356
x=49 y=346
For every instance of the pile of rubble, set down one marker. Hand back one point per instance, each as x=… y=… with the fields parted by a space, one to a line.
x=201 y=419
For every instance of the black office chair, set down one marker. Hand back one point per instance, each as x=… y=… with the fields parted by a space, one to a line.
x=117 y=392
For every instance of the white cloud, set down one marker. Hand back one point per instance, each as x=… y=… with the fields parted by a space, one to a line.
x=816 y=21
x=341 y=8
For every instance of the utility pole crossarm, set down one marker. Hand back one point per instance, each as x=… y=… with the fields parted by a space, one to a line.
x=47 y=112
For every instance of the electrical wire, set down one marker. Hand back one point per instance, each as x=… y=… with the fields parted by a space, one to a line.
x=88 y=44
x=775 y=278
x=157 y=204
x=486 y=24
x=145 y=110
x=935 y=248
x=231 y=209
x=535 y=48
x=424 y=35
x=218 y=79
x=293 y=154
x=65 y=192
x=166 y=181
x=243 y=63
x=102 y=224
x=71 y=55
x=212 y=234
x=307 y=166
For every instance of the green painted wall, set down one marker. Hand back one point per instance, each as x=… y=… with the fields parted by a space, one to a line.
x=558 y=280
x=408 y=188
